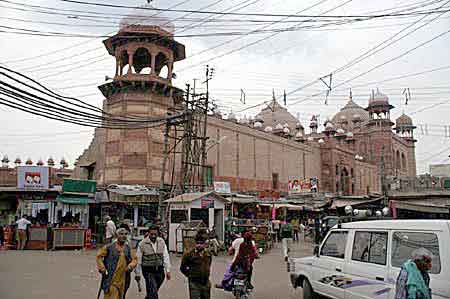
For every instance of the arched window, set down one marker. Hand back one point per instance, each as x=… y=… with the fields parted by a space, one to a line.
x=123 y=62
x=403 y=161
x=337 y=170
x=142 y=61
x=160 y=61
x=397 y=160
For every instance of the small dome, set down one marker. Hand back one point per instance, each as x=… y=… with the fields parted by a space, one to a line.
x=321 y=140
x=279 y=127
x=29 y=162
x=329 y=125
x=257 y=125
x=18 y=161
x=63 y=161
x=40 y=162
x=50 y=162
x=268 y=129
x=350 y=134
x=145 y=16
x=299 y=126
x=404 y=120
x=286 y=130
x=299 y=135
x=340 y=131
x=349 y=111
x=5 y=159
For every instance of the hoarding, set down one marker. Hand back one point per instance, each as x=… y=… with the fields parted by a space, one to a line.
x=303 y=186
x=33 y=177
x=222 y=187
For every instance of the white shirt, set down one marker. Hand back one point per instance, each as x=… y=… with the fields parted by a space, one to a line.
x=166 y=257
x=110 y=229
x=22 y=223
x=236 y=244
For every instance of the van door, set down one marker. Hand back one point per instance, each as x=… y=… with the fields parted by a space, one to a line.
x=405 y=242
x=367 y=266
x=328 y=276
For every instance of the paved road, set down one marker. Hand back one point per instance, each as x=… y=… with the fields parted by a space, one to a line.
x=72 y=275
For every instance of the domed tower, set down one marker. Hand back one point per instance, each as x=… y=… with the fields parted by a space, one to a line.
x=379 y=109
x=314 y=125
x=405 y=128
x=145 y=52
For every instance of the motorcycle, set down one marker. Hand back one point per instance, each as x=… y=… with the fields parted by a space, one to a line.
x=240 y=288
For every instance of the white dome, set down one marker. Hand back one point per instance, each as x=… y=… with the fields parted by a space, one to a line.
x=329 y=125
x=286 y=130
x=279 y=127
x=144 y=15
x=340 y=131
x=321 y=140
x=310 y=138
x=257 y=125
x=299 y=135
x=349 y=134
x=286 y=125
x=268 y=129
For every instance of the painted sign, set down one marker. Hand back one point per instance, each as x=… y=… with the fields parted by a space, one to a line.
x=33 y=177
x=207 y=203
x=222 y=187
x=303 y=186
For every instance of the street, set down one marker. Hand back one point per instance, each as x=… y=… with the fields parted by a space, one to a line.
x=72 y=275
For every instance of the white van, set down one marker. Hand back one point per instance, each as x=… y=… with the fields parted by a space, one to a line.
x=363 y=259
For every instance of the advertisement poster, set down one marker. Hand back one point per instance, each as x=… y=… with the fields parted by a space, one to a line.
x=32 y=177
x=207 y=203
x=303 y=186
x=222 y=187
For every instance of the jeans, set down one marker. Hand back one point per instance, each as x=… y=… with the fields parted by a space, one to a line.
x=153 y=281
x=295 y=235
x=199 y=291
x=286 y=244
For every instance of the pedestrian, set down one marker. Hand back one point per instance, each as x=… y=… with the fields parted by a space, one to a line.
x=276 y=229
x=214 y=240
x=413 y=281
x=22 y=225
x=2 y=236
x=153 y=262
x=115 y=262
x=196 y=266
x=110 y=230
x=286 y=233
x=296 y=227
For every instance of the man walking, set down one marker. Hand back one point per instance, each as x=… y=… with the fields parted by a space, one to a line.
x=296 y=227
x=22 y=224
x=115 y=262
x=196 y=266
x=153 y=261
x=413 y=281
x=286 y=233
x=110 y=230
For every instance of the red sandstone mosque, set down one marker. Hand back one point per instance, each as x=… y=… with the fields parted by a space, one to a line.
x=357 y=147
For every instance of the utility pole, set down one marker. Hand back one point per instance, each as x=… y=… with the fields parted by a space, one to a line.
x=209 y=74
x=383 y=177
x=162 y=191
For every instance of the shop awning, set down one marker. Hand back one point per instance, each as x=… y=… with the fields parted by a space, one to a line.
x=423 y=206
x=73 y=200
x=340 y=203
x=283 y=205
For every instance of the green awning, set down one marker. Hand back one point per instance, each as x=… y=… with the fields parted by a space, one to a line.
x=79 y=186
x=74 y=200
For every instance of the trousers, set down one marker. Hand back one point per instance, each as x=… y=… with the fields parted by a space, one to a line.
x=199 y=291
x=286 y=244
x=153 y=281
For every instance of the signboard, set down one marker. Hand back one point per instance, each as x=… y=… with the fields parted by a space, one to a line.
x=207 y=203
x=222 y=187
x=79 y=186
x=33 y=177
x=303 y=186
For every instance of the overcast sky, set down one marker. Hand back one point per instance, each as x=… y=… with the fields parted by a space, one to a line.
x=285 y=61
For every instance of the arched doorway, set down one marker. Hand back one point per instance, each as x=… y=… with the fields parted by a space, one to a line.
x=345 y=182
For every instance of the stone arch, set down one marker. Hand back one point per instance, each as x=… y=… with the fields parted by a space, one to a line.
x=142 y=61
x=123 y=62
x=397 y=160
x=403 y=161
x=162 y=61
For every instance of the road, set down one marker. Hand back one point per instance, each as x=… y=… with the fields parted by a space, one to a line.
x=72 y=275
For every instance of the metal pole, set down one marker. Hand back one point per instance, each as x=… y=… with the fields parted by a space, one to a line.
x=162 y=192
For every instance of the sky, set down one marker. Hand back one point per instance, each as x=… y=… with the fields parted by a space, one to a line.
x=259 y=64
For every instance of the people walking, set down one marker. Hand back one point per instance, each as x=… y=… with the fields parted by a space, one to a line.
x=286 y=233
x=296 y=228
x=110 y=230
x=196 y=266
x=22 y=225
x=413 y=281
x=153 y=262
x=115 y=262
x=276 y=229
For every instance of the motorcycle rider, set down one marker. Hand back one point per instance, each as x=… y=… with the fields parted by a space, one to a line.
x=245 y=257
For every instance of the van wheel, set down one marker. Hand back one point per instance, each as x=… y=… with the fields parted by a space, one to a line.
x=308 y=292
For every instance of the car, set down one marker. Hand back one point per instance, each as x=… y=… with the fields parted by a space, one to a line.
x=363 y=259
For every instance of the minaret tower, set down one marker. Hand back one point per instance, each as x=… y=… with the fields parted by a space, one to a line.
x=145 y=52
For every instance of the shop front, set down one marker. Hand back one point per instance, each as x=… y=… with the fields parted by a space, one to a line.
x=207 y=207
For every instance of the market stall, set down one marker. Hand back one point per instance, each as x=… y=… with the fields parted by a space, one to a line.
x=260 y=228
x=208 y=207
x=185 y=235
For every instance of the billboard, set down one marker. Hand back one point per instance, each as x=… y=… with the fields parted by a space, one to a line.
x=33 y=177
x=303 y=186
x=222 y=187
